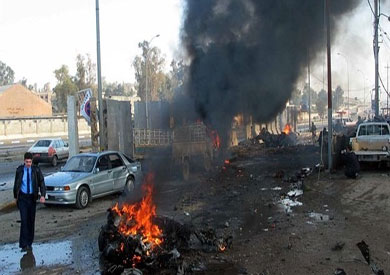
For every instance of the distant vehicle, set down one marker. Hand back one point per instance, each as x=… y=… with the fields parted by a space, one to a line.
x=91 y=175
x=49 y=150
x=345 y=121
x=372 y=142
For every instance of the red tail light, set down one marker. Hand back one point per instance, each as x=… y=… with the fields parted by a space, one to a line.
x=51 y=151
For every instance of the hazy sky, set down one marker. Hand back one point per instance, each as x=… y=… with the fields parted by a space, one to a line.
x=39 y=36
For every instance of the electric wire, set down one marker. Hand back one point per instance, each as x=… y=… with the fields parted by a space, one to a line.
x=368 y=1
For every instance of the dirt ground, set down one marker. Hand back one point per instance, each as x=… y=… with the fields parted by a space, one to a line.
x=242 y=199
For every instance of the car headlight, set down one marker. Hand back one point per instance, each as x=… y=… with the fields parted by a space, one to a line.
x=384 y=148
x=62 y=188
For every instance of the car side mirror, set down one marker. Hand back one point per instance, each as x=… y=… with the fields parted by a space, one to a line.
x=66 y=144
x=62 y=168
x=96 y=170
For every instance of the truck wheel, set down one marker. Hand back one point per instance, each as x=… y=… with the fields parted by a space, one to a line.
x=186 y=169
x=82 y=197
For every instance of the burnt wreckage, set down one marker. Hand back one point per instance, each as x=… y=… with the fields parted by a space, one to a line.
x=135 y=238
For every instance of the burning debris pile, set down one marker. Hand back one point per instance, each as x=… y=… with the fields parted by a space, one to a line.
x=286 y=138
x=135 y=239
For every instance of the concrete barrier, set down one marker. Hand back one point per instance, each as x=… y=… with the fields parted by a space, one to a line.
x=34 y=127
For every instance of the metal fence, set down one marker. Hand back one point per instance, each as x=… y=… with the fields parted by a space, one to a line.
x=152 y=137
x=191 y=133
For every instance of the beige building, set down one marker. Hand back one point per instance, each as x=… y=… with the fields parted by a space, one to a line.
x=46 y=96
x=18 y=101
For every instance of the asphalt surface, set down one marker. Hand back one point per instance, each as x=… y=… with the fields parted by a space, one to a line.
x=14 y=146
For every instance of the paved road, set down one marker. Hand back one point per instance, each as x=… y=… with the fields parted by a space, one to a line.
x=23 y=144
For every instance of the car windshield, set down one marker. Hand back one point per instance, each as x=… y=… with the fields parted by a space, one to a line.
x=82 y=164
x=43 y=143
x=373 y=130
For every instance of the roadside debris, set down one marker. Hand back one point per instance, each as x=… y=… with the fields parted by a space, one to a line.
x=319 y=217
x=286 y=138
x=338 y=246
x=363 y=247
x=339 y=271
x=134 y=237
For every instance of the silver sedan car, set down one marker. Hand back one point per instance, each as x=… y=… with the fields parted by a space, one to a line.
x=91 y=175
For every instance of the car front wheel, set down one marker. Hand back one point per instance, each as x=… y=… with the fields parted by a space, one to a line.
x=129 y=186
x=82 y=197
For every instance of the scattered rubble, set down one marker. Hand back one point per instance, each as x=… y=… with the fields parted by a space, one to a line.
x=363 y=247
x=134 y=237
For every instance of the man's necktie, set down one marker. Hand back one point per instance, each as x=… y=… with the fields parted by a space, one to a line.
x=28 y=181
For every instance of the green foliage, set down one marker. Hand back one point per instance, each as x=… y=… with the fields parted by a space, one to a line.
x=149 y=73
x=337 y=97
x=7 y=75
x=85 y=73
x=69 y=85
x=65 y=86
x=322 y=103
x=305 y=95
x=178 y=74
x=118 y=89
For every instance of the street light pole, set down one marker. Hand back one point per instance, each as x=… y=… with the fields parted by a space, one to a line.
x=146 y=81
x=329 y=63
x=346 y=60
x=99 y=77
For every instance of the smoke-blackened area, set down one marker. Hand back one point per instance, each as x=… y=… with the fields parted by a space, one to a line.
x=246 y=55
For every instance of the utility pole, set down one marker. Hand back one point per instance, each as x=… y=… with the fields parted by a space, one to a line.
x=376 y=55
x=99 y=77
x=308 y=75
x=330 y=132
x=387 y=89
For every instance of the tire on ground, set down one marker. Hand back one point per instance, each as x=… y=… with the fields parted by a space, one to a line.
x=83 y=197
x=129 y=186
x=54 y=161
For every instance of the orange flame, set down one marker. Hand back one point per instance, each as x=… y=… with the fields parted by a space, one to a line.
x=215 y=138
x=137 y=219
x=136 y=260
x=287 y=129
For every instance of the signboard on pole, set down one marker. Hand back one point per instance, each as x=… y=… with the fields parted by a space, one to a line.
x=85 y=106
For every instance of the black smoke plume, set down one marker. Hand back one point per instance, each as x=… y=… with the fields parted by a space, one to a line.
x=246 y=55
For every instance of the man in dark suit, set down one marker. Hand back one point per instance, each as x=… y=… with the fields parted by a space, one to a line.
x=29 y=185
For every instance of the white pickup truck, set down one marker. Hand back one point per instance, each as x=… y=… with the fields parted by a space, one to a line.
x=372 y=142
